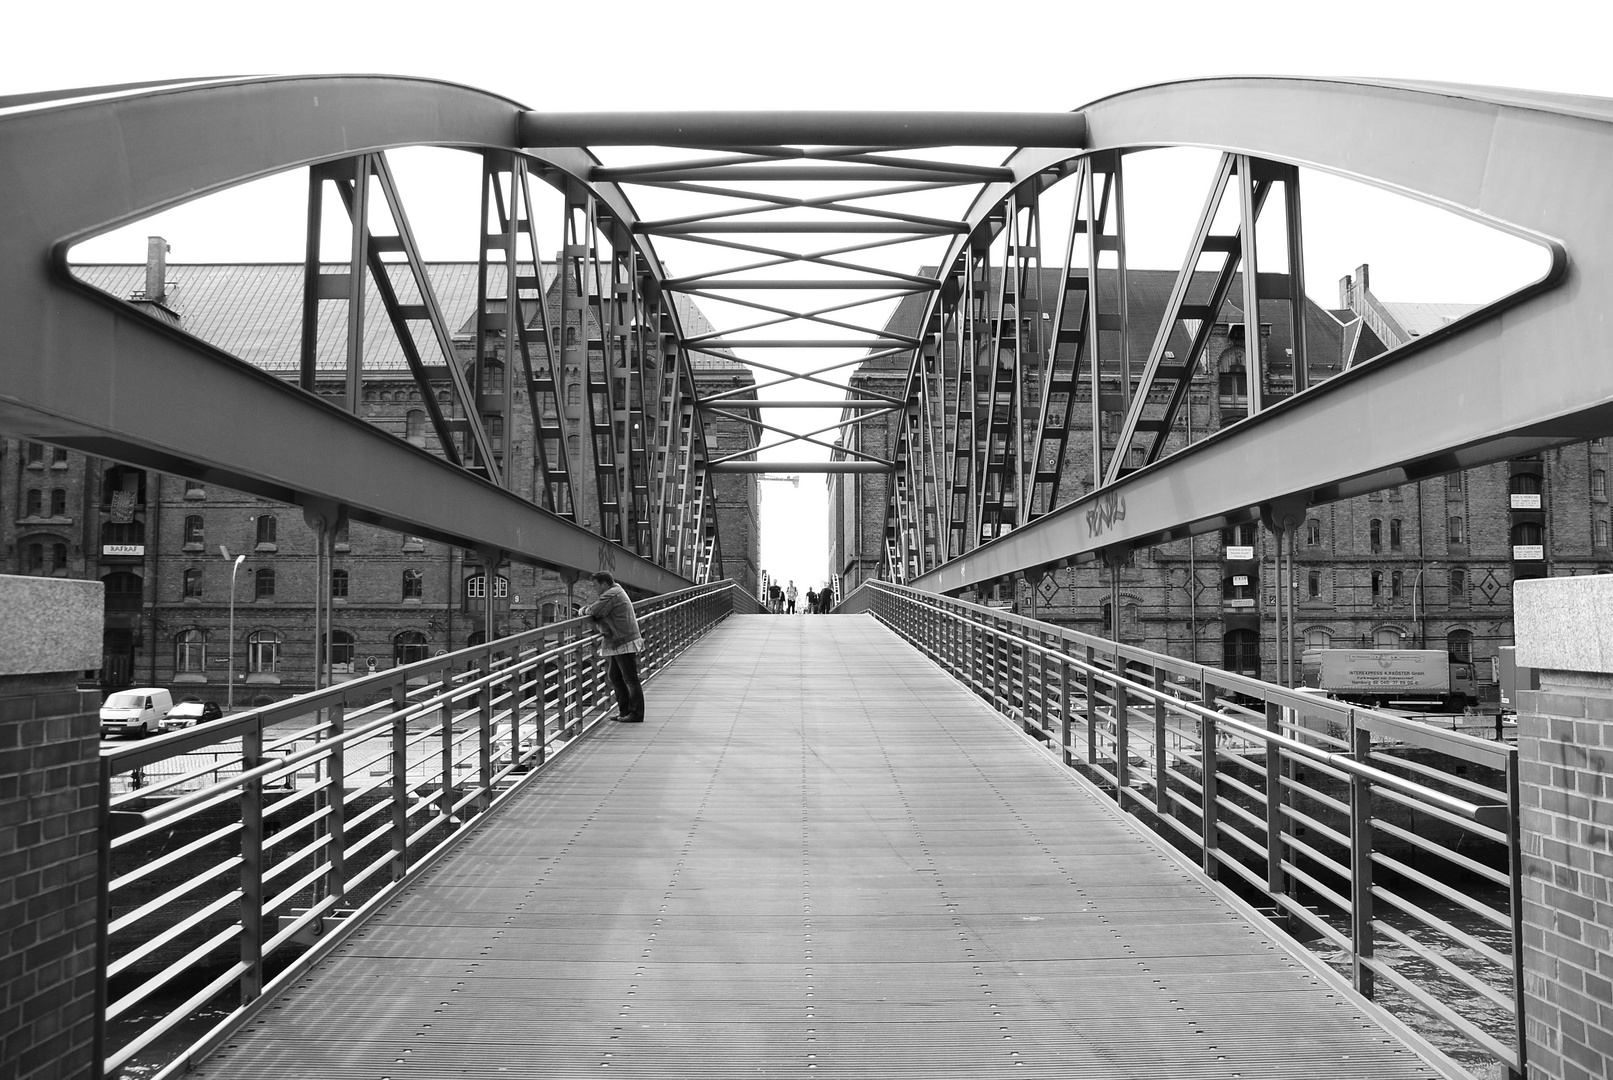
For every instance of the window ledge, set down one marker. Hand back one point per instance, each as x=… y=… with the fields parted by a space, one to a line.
x=190 y=677
x=263 y=678
x=194 y=545
x=339 y=600
x=269 y=548
x=191 y=600
x=195 y=493
x=413 y=600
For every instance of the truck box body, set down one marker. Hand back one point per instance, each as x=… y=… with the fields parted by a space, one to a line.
x=1383 y=671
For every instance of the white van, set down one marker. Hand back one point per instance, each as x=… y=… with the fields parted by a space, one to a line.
x=141 y=711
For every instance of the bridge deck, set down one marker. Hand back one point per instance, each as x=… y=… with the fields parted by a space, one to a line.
x=818 y=852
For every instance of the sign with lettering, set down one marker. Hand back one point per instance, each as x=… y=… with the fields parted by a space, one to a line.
x=1240 y=553
x=1528 y=552
x=1526 y=502
x=1240 y=579
x=123 y=549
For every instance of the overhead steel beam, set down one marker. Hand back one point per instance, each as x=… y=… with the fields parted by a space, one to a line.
x=718 y=130
x=84 y=370
x=801 y=467
x=1521 y=374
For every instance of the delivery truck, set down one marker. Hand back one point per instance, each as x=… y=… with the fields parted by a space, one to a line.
x=1420 y=679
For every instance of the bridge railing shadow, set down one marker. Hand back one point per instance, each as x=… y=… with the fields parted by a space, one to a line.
x=1390 y=846
x=237 y=853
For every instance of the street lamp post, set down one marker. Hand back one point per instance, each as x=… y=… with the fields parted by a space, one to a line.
x=229 y=692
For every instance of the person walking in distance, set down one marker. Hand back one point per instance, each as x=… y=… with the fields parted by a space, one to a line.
x=620 y=640
x=812 y=602
x=774 y=595
x=789 y=598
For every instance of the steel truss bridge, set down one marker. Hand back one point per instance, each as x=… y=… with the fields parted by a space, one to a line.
x=804 y=204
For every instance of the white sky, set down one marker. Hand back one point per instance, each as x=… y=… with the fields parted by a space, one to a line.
x=831 y=54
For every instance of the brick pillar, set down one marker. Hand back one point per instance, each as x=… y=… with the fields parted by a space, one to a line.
x=50 y=634
x=1564 y=629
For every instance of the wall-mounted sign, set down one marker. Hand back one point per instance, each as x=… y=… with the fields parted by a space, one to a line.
x=1526 y=502
x=1240 y=579
x=123 y=549
x=1240 y=554
x=1241 y=603
x=1528 y=552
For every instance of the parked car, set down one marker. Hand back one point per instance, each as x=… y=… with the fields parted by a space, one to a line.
x=140 y=711
x=190 y=712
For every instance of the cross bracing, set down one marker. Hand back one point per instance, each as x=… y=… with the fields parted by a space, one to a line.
x=799 y=234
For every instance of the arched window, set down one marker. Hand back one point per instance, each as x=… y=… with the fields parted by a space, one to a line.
x=413 y=584
x=1313 y=532
x=1455 y=532
x=33 y=503
x=342 y=648
x=574 y=396
x=1598 y=484
x=1239 y=536
x=1318 y=638
x=1236 y=587
x=1234 y=376
x=408 y=647
x=1528 y=532
x=263 y=652
x=58 y=502
x=1240 y=652
x=1394 y=534
x=193 y=584
x=1377 y=586
x=1375 y=536
x=1458 y=586
x=123 y=488
x=124 y=591
x=267 y=528
x=1313 y=584
x=547 y=613
x=571 y=336
x=35 y=453
x=193 y=532
x=263 y=584
x=1395 y=583
x=495 y=432
x=414 y=427
x=493 y=379
x=338 y=584
x=1459 y=643
x=1386 y=637
x=190 y=652
x=58 y=559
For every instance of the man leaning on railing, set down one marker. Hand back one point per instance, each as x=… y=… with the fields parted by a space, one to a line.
x=621 y=641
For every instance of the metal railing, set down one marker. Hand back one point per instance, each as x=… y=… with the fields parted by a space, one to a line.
x=236 y=854
x=1346 y=824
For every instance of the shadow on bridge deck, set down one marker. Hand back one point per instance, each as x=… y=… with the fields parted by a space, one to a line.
x=818 y=853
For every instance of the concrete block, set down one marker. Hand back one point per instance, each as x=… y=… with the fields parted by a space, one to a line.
x=50 y=624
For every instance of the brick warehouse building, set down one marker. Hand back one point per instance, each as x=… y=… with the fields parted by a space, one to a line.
x=154 y=539
x=1424 y=565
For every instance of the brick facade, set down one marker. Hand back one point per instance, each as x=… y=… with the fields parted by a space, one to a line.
x=1565 y=747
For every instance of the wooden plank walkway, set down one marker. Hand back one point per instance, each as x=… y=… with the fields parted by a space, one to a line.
x=818 y=853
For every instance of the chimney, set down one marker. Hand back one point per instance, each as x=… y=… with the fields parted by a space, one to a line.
x=156 y=269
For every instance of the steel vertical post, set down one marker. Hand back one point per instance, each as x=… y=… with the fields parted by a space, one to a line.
x=1361 y=939
x=251 y=951
x=400 y=783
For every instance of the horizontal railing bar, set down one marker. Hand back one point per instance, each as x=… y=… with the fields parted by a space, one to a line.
x=168 y=859
x=1498 y=1050
x=174 y=1018
x=1435 y=959
x=162 y=900
x=151 y=945
x=1440 y=851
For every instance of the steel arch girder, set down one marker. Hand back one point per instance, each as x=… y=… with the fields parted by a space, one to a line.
x=124 y=386
x=1526 y=365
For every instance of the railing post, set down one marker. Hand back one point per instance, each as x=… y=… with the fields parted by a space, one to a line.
x=1520 y=1035
x=400 y=783
x=1361 y=862
x=1276 y=880
x=484 y=727
x=562 y=707
x=1122 y=716
x=445 y=802
x=1161 y=760
x=251 y=982
x=1091 y=681
x=103 y=920
x=1208 y=754
x=336 y=804
x=1067 y=748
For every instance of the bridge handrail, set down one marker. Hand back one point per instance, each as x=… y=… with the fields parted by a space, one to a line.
x=1300 y=810
x=314 y=857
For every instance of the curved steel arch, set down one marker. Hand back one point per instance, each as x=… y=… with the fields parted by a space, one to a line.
x=93 y=374
x=1527 y=363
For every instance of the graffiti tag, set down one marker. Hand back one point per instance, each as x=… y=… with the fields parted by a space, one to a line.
x=607 y=558
x=1102 y=517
